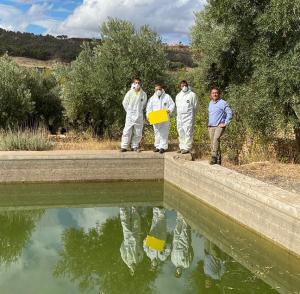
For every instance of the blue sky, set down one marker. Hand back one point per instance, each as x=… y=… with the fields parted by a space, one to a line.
x=82 y=18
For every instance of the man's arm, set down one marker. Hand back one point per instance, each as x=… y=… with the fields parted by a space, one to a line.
x=195 y=104
x=171 y=105
x=125 y=102
x=229 y=114
x=149 y=107
x=145 y=101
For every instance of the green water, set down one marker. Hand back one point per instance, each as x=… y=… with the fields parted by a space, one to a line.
x=88 y=238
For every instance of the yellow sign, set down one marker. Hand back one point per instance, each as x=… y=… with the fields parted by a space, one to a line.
x=157 y=117
x=155 y=243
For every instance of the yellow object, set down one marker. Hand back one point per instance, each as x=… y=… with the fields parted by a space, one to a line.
x=157 y=117
x=155 y=243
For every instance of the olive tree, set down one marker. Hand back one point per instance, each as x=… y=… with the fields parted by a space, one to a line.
x=15 y=97
x=97 y=81
x=251 y=50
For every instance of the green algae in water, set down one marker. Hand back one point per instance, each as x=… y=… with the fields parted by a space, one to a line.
x=89 y=238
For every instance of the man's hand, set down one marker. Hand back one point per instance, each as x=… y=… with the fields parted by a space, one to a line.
x=222 y=125
x=168 y=111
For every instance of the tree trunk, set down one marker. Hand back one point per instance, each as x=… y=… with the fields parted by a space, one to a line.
x=297 y=137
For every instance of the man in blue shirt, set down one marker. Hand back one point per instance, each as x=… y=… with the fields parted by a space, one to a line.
x=219 y=116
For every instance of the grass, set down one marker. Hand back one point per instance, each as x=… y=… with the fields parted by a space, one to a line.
x=28 y=140
x=83 y=141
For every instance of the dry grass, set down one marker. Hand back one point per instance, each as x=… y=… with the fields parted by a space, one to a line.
x=82 y=142
x=34 y=63
x=285 y=175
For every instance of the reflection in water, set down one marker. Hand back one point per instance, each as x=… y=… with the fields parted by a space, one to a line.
x=155 y=245
x=214 y=266
x=131 y=247
x=134 y=249
x=92 y=259
x=182 y=251
x=15 y=231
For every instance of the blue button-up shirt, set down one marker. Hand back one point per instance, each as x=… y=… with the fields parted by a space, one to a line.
x=219 y=112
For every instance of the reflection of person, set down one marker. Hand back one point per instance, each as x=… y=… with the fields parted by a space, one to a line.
x=159 y=232
x=182 y=251
x=214 y=266
x=219 y=116
x=187 y=106
x=160 y=100
x=134 y=104
x=131 y=247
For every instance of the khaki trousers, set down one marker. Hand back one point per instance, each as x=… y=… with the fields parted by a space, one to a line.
x=215 y=134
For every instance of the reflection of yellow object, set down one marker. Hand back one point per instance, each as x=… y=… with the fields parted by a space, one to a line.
x=157 y=117
x=155 y=243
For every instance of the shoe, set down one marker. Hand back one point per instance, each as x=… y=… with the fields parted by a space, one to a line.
x=123 y=150
x=155 y=150
x=162 y=151
x=179 y=151
x=136 y=150
x=219 y=160
x=213 y=160
x=185 y=152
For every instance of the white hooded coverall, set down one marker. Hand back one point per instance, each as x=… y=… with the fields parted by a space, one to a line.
x=161 y=131
x=159 y=231
x=182 y=251
x=187 y=107
x=214 y=267
x=131 y=248
x=134 y=104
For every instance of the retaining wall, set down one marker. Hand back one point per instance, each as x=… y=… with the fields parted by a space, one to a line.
x=65 y=166
x=266 y=209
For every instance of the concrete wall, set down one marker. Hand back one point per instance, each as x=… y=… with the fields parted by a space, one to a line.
x=62 y=166
x=269 y=262
x=268 y=210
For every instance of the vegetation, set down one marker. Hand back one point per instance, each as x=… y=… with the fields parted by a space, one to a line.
x=28 y=97
x=251 y=50
x=40 y=47
x=25 y=139
x=94 y=86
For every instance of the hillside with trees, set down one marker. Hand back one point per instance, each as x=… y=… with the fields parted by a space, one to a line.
x=64 y=49
x=40 y=47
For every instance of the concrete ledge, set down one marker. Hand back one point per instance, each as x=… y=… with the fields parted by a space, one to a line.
x=64 y=166
x=270 y=211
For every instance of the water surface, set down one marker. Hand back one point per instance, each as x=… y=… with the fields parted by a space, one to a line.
x=91 y=238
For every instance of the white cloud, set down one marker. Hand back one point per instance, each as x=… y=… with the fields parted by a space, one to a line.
x=171 y=18
x=12 y=18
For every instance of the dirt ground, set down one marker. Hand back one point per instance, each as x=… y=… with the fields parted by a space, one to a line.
x=286 y=176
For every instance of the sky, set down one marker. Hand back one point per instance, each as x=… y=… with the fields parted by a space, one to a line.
x=172 y=19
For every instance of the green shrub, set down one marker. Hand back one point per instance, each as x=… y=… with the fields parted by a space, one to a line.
x=28 y=140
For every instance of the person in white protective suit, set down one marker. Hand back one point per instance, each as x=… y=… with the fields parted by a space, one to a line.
x=160 y=100
x=182 y=252
x=131 y=248
x=134 y=103
x=187 y=107
x=159 y=231
x=214 y=267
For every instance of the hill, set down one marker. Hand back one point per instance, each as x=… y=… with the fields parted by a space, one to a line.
x=30 y=49
x=40 y=47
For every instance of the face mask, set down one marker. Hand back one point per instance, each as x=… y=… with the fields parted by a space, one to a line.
x=185 y=89
x=158 y=93
x=136 y=86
